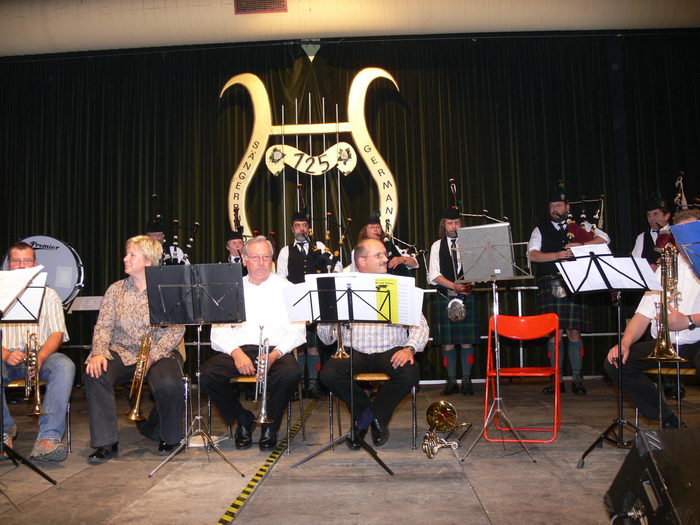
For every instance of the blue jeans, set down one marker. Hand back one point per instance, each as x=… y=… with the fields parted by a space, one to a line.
x=58 y=371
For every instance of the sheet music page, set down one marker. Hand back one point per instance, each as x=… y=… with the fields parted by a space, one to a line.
x=298 y=302
x=12 y=282
x=28 y=304
x=621 y=273
x=586 y=249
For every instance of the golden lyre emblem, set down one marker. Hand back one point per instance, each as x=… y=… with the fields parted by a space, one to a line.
x=341 y=155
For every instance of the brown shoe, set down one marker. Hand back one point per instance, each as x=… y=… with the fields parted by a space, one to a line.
x=49 y=450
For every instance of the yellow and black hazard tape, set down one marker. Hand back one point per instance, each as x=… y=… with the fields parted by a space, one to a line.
x=254 y=482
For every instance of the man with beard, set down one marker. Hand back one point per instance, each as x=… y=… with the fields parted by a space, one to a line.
x=444 y=269
x=548 y=244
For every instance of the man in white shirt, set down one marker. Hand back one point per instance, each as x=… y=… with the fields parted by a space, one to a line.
x=238 y=347
x=683 y=320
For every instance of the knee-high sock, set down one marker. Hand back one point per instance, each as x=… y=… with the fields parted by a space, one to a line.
x=575 y=358
x=466 y=355
x=313 y=363
x=450 y=362
x=550 y=352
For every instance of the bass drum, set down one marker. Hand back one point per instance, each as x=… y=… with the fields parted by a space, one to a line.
x=61 y=262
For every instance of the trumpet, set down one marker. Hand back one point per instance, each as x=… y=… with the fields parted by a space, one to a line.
x=31 y=373
x=261 y=379
x=441 y=416
x=663 y=350
x=135 y=413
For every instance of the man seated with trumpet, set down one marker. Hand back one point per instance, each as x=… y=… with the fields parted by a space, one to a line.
x=381 y=348
x=27 y=346
x=122 y=339
x=238 y=350
x=678 y=321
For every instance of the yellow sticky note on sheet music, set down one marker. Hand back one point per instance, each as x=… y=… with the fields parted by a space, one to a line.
x=387 y=300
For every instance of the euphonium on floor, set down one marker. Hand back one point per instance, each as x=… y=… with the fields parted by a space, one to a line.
x=663 y=350
x=441 y=416
x=31 y=373
x=261 y=379
x=139 y=377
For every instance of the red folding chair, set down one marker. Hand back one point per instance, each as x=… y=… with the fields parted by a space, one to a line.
x=523 y=329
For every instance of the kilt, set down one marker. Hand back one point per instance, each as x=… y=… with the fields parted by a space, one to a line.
x=573 y=312
x=446 y=332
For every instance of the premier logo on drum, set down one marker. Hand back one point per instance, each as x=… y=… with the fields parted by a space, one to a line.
x=38 y=246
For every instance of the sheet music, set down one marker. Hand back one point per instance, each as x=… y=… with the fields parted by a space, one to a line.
x=586 y=249
x=688 y=238
x=12 y=283
x=375 y=297
x=26 y=307
x=623 y=273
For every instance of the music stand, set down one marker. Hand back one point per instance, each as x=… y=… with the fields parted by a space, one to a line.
x=595 y=269
x=21 y=297
x=487 y=255
x=195 y=295
x=330 y=310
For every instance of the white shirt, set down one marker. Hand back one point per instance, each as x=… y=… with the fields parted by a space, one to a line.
x=283 y=258
x=264 y=306
x=434 y=263
x=689 y=286
x=639 y=242
x=535 y=242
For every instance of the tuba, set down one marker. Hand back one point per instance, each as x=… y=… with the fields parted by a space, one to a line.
x=441 y=416
x=261 y=379
x=135 y=413
x=663 y=350
x=31 y=373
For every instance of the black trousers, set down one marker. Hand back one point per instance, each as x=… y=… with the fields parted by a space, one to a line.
x=335 y=374
x=165 y=381
x=282 y=380
x=640 y=387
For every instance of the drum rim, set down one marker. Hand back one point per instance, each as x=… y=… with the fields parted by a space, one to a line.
x=80 y=284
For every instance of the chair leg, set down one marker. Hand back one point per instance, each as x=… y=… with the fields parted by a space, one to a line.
x=330 y=418
x=289 y=427
x=414 y=423
x=678 y=392
x=301 y=414
x=69 y=431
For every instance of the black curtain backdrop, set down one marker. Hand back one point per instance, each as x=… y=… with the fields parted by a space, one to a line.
x=86 y=139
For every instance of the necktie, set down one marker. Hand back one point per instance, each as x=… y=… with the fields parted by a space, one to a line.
x=300 y=247
x=453 y=253
x=562 y=225
x=236 y=259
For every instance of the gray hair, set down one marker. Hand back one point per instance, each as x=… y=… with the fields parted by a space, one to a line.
x=257 y=240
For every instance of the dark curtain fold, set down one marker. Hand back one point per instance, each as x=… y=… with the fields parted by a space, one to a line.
x=88 y=138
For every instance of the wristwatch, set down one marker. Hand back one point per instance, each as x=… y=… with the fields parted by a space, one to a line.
x=691 y=323
x=413 y=350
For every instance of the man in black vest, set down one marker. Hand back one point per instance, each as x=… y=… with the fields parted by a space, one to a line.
x=234 y=246
x=445 y=267
x=294 y=261
x=548 y=244
x=658 y=217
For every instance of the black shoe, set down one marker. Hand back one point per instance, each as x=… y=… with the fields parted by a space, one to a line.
x=380 y=434
x=354 y=444
x=314 y=392
x=268 y=438
x=103 y=454
x=164 y=449
x=550 y=389
x=450 y=388
x=671 y=393
x=466 y=388
x=578 y=388
x=244 y=435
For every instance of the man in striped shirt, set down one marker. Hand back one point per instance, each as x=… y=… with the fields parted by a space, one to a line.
x=376 y=347
x=54 y=367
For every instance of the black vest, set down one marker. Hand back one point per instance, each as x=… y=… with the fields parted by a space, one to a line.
x=244 y=270
x=446 y=266
x=298 y=264
x=648 y=251
x=393 y=251
x=553 y=240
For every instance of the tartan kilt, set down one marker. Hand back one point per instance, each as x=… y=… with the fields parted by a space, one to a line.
x=573 y=312
x=445 y=332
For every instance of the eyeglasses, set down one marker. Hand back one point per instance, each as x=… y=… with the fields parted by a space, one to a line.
x=22 y=261
x=257 y=258
x=378 y=256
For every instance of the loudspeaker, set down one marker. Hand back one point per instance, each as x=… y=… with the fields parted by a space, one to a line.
x=659 y=481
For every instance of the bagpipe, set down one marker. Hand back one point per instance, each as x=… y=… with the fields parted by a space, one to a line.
x=582 y=230
x=172 y=252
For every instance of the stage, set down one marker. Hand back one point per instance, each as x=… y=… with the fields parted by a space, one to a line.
x=496 y=484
